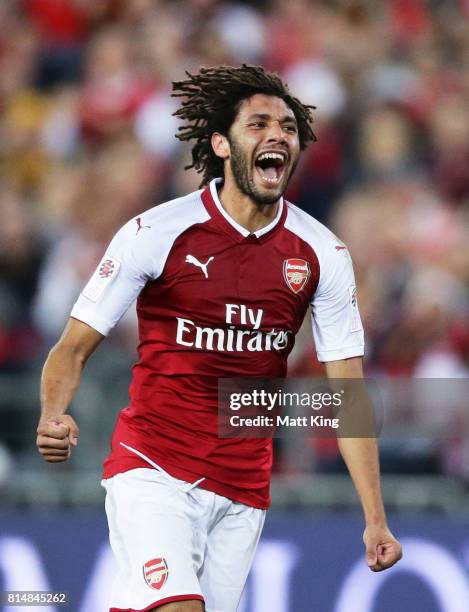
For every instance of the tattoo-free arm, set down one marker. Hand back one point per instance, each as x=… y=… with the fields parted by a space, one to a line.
x=361 y=457
x=61 y=376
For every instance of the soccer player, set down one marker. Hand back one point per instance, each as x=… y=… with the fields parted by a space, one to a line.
x=223 y=278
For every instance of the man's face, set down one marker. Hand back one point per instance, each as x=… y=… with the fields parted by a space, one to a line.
x=264 y=148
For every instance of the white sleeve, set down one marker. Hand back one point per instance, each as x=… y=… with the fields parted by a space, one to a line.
x=117 y=281
x=337 y=327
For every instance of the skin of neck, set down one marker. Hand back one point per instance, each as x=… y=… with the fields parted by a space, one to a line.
x=243 y=209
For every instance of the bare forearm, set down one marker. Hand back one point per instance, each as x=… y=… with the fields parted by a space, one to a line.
x=64 y=365
x=357 y=445
x=359 y=449
x=60 y=379
x=361 y=458
x=57 y=431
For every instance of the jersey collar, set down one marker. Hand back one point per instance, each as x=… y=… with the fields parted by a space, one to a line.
x=212 y=203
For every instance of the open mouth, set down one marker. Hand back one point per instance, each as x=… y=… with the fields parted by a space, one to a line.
x=271 y=166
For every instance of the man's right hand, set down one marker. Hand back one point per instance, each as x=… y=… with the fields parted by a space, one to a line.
x=56 y=436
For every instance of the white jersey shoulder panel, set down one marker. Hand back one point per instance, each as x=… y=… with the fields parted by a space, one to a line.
x=337 y=327
x=313 y=232
x=136 y=254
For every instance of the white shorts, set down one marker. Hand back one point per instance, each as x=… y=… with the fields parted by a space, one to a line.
x=175 y=542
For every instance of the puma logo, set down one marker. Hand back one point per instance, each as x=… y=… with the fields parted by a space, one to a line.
x=195 y=262
x=139 y=225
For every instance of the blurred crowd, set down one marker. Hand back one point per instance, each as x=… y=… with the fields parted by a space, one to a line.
x=87 y=141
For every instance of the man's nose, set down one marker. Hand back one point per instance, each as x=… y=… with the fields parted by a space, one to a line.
x=276 y=132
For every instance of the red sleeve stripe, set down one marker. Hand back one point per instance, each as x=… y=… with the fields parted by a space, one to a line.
x=161 y=602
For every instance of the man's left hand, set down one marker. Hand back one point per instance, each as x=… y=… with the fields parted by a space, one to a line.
x=382 y=548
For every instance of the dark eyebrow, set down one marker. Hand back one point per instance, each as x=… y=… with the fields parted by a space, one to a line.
x=267 y=117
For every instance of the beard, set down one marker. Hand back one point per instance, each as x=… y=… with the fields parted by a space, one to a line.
x=243 y=176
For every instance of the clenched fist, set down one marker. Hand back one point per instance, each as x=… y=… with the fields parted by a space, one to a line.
x=382 y=548
x=56 y=436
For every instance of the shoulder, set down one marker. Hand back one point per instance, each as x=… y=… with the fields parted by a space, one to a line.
x=335 y=264
x=190 y=206
x=313 y=232
x=146 y=239
x=164 y=221
x=169 y=218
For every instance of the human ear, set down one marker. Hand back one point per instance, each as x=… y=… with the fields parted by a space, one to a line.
x=220 y=145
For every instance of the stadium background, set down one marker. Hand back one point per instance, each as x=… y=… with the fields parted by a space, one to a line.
x=87 y=141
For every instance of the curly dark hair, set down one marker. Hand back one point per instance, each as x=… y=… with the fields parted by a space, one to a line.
x=211 y=102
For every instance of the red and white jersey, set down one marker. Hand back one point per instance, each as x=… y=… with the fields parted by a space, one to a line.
x=215 y=301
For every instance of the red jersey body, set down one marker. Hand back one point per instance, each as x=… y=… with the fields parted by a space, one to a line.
x=214 y=301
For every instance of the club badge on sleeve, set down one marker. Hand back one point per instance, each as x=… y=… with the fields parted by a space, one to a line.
x=155 y=573
x=102 y=277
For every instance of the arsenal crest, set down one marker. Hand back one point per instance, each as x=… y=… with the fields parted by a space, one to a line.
x=155 y=573
x=296 y=273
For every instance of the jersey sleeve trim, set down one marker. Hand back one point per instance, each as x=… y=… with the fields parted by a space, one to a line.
x=96 y=322
x=343 y=353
